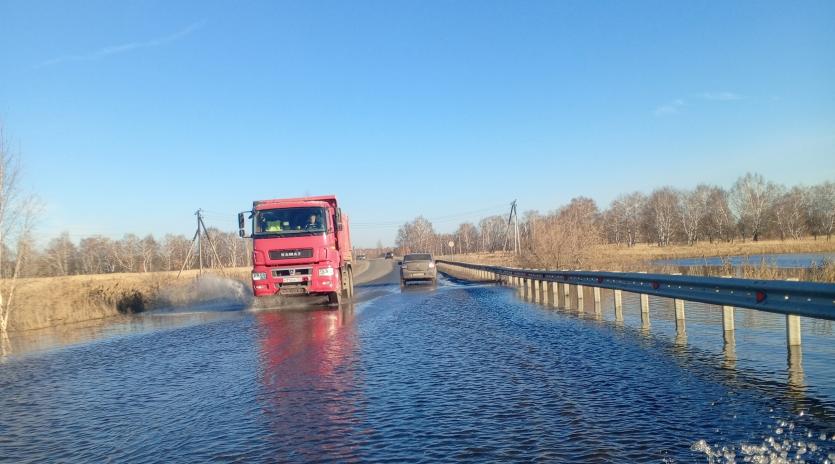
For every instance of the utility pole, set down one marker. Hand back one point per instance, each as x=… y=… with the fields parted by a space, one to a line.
x=516 y=226
x=199 y=234
x=513 y=219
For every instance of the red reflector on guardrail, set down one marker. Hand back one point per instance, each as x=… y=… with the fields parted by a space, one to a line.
x=760 y=296
x=600 y=280
x=655 y=285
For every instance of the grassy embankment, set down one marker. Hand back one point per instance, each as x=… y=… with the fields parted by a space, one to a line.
x=640 y=258
x=50 y=301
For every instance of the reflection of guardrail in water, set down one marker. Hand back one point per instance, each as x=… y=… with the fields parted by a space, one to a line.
x=565 y=289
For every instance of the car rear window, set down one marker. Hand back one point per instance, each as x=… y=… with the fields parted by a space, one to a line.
x=418 y=257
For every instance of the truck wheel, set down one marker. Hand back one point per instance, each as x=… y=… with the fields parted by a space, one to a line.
x=351 y=283
x=345 y=280
x=335 y=298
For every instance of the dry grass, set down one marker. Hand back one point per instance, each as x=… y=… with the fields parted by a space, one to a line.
x=49 y=301
x=641 y=257
x=52 y=301
x=645 y=251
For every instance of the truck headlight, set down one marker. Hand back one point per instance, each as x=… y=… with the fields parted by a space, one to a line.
x=326 y=272
x=259 y=276
x=431 y=265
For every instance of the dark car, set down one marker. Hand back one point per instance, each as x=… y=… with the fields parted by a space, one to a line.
x=418 y=267
x=389 y=255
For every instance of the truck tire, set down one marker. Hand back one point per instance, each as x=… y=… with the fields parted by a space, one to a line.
x=346 y=283
x=335 y=298
x=351 y=283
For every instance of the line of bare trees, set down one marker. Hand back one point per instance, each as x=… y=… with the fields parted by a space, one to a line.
x=753 y=208
x=102 y=255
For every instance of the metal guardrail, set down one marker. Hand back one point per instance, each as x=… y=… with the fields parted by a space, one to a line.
x=809 y=299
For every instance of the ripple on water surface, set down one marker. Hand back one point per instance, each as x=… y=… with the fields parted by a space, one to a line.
x=457 y=372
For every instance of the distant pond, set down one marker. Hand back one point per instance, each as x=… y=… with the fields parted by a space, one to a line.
x=782 y=260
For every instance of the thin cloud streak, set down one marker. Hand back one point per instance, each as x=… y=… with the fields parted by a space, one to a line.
x=670 y=108
x=675 y=106
x=721 y=96
x=124 y=48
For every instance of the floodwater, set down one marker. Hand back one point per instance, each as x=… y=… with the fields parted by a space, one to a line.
x=780 y=260
x=457 y=372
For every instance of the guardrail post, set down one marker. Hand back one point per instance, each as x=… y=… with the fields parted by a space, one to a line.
x=792 y=330
x=644 y=308
x=597 y=306
x=792 y=326
x=535 y=295
x=529 y=289
x=728 y=325
x=580 y=307
x=550 y=293
x=543 y=292
x=679 y=305
x=796 y=378
x=566 y=295
x=680 y=323
x=618 y=305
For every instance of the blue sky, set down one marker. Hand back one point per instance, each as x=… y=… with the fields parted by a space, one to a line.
x=131 y=115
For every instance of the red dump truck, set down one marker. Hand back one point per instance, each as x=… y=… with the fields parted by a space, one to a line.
x=301 y=246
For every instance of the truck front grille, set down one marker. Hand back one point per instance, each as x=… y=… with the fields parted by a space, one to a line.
x=291 y=272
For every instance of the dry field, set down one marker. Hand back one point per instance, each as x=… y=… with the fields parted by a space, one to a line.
x=49 y=301
x=640 y=258
x=53 y=301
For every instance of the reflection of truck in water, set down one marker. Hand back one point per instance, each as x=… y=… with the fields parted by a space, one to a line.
x=301 y=246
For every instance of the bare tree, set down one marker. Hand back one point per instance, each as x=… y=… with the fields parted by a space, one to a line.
x=660 y=213
x=61 y=256
x=625 y=217
x=493 y=231
x=752 y=198
x=566 y=237
x=692 y=208
x=467 y=237
x=16 y=223
x=415 y=236
x=791 y=212
x=822 y=209
x=719 y=220
x=148 y=251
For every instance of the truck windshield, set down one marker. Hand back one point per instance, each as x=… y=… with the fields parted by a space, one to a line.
x=289 y=221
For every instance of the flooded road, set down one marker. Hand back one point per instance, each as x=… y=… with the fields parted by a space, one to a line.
x=780 y=260
x=457 y=372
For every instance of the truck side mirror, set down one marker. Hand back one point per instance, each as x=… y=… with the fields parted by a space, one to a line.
x=241 y=225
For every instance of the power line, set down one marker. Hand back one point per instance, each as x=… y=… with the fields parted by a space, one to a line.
x=198 y=238
x=444 y=218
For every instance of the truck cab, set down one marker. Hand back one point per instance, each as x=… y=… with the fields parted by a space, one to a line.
x=301 y=246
